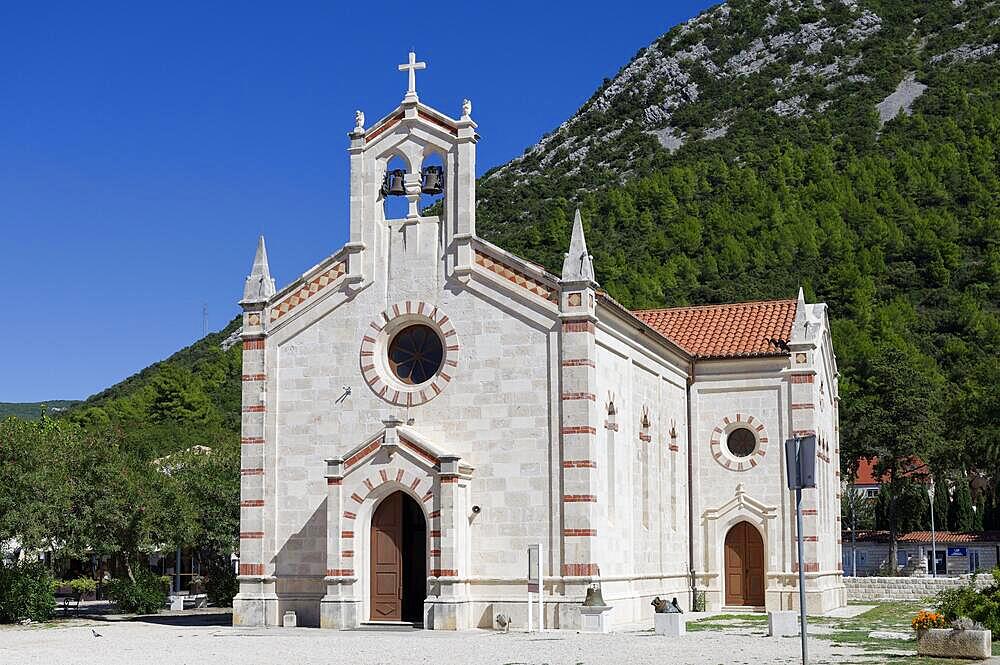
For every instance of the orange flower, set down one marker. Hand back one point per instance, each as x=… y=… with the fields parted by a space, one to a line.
x=927 y=619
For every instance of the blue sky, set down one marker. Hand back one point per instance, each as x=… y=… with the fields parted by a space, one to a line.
x=144 y=146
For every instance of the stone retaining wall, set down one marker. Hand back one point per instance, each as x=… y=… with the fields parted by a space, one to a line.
x=905 y=588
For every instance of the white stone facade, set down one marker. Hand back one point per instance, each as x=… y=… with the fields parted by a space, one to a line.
x=555 y=417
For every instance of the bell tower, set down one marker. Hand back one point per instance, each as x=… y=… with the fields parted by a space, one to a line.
x=415 y=135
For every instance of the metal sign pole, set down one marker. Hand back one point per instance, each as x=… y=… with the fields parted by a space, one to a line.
x=802 y=578
x=800 y=466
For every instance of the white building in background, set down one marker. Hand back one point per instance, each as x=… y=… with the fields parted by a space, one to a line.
x=422 y=406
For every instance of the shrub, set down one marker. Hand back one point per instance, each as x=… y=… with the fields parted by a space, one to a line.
x=26 y=592
x=145 y=595
x=81 y=586
x=981 y=606
x=221 y=586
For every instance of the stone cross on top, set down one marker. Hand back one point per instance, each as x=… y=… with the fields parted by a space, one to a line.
x=411 y=68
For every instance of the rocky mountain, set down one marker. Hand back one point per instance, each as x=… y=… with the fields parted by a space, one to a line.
x=735 y=79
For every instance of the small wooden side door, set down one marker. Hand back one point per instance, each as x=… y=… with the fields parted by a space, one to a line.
x=736 y=560
x=744 y=566
x=387 y=562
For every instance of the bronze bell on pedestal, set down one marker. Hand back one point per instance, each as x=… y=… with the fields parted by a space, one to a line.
x=393 y=184
x=594 y=597
x=433 y=180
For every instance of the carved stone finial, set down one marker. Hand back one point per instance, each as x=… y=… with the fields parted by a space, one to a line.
x=578 y=265
x=359 y=120
x=466 y=108
x=259 y=286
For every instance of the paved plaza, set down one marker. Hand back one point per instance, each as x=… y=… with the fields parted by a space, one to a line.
x=162 y=640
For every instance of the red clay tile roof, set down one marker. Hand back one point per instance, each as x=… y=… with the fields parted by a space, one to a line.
x=942 y=537
x=725 y=331
x=866 y=471
x=950 y=537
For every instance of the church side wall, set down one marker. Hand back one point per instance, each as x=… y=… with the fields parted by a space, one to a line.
x=643 y=469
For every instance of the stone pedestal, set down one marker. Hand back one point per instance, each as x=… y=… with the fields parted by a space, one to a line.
x=670 y=624
x=948 y=643
x=288 y=620
x=595 y=619
x=782 y=624
x=176 y=602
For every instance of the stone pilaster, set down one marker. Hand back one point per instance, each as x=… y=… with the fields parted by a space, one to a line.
x=340 y=607
x=447 y=608
x=581 y=417
x=256 y=603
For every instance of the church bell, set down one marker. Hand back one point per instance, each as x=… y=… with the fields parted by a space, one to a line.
x=594 y=597
x=393 y=184
x=433 y=180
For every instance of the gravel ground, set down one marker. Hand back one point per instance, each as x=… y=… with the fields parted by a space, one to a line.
x=139 y=643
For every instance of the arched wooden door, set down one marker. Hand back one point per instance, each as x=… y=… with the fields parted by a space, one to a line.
x=744 y=566
x=398 y=560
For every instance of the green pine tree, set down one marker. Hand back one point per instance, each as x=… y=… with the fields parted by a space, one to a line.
x=941 y=503
x=978 y=518
x=961 y=516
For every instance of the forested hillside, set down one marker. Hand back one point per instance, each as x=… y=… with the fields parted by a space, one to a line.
x=850 y=147
x=191 y=398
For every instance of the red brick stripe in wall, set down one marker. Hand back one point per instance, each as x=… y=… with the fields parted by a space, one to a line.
x=334 y=481
x=579 y=362
x=572 y=396
x=251 y=472
x=444 y=572
x=255 y=408
x=251 y=569
x=252 y=503
x=251 y=535
x=579 y=532
x=346 y=534
x=340 y=572
x=254 y=377
x=579 y=464
x=360 y=455
x=251 y=440
x=579 y=498
x=580 y=429
x=801 y=378
x=579 y=569
x=253 y=344
x=578 y=326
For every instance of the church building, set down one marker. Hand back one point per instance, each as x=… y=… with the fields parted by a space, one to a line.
x=422 y=406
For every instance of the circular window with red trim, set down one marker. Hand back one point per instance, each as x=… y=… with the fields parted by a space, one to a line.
x=416 y=354
x=410 y=353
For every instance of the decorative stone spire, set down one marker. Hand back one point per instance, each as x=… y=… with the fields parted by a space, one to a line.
x=578 y=266
x=800 y=325
x=259 y=286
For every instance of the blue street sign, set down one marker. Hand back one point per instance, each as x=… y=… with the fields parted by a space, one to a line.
x=958 y=551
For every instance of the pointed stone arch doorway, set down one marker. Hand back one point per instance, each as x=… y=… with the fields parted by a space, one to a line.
x=398 y=560
x=744 y=555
